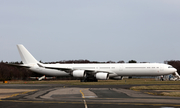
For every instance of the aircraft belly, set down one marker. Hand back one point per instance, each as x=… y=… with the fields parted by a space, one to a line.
x=138 y=73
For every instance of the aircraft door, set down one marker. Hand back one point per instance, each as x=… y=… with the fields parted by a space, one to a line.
x=161 y=68
x=121 y=68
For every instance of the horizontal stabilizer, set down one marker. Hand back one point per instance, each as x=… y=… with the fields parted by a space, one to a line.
x=18 y=65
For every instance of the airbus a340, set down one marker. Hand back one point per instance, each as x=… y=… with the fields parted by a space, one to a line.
x=94 y=72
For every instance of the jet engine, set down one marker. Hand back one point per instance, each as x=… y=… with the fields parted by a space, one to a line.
x=79 y=73
x=102 y=76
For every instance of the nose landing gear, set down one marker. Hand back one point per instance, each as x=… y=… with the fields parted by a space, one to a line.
x=176 y=76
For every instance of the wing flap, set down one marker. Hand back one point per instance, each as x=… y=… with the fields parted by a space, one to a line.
x=56 y=68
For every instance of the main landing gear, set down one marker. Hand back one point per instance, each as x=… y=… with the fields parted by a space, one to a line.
x=87 y=79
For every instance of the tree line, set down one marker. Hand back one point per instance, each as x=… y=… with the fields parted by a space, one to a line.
x=8 y=72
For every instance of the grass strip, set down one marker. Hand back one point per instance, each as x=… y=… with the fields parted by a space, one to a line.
x=174 y=94
x=100 y=82
x=156 y=87
x=163 y=90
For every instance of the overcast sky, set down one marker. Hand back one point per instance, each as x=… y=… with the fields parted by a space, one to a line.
x=97 y=30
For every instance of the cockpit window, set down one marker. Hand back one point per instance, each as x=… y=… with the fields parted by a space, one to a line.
x=170 y=67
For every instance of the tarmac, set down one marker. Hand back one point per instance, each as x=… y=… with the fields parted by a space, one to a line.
x=80 y=96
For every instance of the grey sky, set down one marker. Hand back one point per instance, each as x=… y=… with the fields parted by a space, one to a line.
x=97 y=30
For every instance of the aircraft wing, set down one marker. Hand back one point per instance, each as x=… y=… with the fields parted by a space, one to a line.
x=70 y=69
x=57 y=68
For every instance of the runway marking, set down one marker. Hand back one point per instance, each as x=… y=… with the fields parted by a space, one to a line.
x=85 y=104
x=13 y=95
x=139 y=104
x=82 y=93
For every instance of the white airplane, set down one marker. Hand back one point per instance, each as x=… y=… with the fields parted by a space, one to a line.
x=94 y=72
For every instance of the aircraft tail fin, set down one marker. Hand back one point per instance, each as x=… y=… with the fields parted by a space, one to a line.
x=26 y=56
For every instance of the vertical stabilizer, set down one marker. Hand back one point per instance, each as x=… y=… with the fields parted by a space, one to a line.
x=26 y=56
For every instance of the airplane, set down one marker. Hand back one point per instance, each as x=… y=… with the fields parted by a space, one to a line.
x=95 y=72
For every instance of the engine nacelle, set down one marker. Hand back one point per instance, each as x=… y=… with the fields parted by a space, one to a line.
x=79 y=73
x=102 y=76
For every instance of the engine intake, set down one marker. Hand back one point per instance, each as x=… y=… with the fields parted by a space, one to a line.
x=79 y=73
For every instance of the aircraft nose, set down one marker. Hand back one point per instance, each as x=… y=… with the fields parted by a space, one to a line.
x=175 y=70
